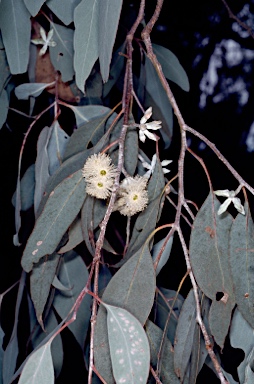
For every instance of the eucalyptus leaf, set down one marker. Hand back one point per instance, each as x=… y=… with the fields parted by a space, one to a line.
x=2 y=334
x=75 y=236
x=23 y=91
x=209 y=254
x=125 y=290
x=154 y=335
x=184 y=335
x=165 y=253
x=39 y=336
x=146 y=220
x=162 y=310
x=157 y=98
x=56 y=283
x=171 y=67
x=117 y=66
x=242 y=264
x=86 y=113
x=27 y=188
x=58 y=140
x=86 y=38
x=128 y=344
x=39 y=367
x=40 y=282
x=4 y=67
x=4 y=104
x=109 y=14
x=242 y=336
x=64 y=13
x=74 y=275
x=12 y=350
x=16 y=31
x=61 y=55
x=62 y=207
x=34 y=6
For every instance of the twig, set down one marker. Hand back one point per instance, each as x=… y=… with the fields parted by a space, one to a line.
x=240 y=22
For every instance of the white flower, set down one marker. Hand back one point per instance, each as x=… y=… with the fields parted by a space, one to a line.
x=46 y=41
x=144 y=126
x=99 y=174
x=230 y=199
x=151 y=166
x=132 y=196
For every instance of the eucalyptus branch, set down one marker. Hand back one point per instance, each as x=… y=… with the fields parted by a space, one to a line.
x=126 y=102
x=181 y=200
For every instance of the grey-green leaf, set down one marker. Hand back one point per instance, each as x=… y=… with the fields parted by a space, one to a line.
x=39 y=367
x=62 y=207
x=61 y=55
x=129 y=348
x=154 y=335
x=74 y=275
x=86 y=50
x=75 y=236
x=242 y=263
x=27 y=186
x=23 y=91
x=184 y=335
x=125 y=290
x=16 y=30
x=171 y=67
x=157 y=98
x=242 y=336
x=209 y=254
x=64 y=12
x=40 y=282
x=4 y=104
x=86 y=113
x=34 y=6
x=165 y=253
x=4 y=67
x=109 y=14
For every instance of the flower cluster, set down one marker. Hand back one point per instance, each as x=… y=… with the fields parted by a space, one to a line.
x=132 y=196
x=99 y=173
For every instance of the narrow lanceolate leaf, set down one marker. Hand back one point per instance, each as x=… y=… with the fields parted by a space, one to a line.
x=129 y=348
x=34 y=6
x=12 y=350
x=75 y=236
x=242 y=263
x=27 y=186
x=209 y=254
x=131 y=288
x=23 y=91
x=157 y=98
x=74 y=275
x=40 y=282
x=64 y=13
x=16 y=30
x=86 y=50
x=4 y=67
x=171 y=67
x=39 y=367
x=4 y=104
x=154 y=335
x=242 y=336
x=56 y=147
x=62 y=207
x=164 y=256
x=109 y=14
x=184 y=335
x=61 y=55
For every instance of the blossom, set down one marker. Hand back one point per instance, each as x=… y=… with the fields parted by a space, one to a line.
x=230 y=199
x=132 y=196
x=99 y=174
x=151 y=166
x=144 y=126
x=46 y=41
